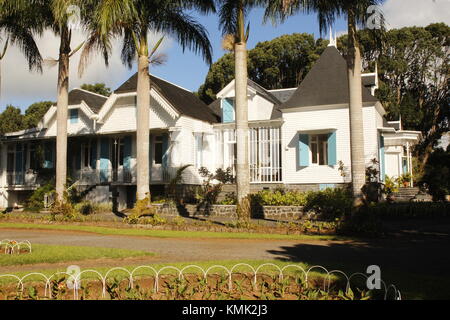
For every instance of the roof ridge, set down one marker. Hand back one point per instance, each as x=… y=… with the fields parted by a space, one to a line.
x=176 y=85
x=90 y=92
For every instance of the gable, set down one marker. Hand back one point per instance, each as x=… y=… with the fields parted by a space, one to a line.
x=184 y=101
x=326 y=84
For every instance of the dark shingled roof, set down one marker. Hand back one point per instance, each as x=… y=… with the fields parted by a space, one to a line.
x=263 y=92
x=93 y=100
x=284 y=94
x=368 y=80
x=216 y=108
x=325 y=84
x=184 y=101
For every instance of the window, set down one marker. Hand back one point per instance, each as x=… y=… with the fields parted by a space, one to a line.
x=227 y=110
x=319 y=149
x=198 y=147
x=73 y=115
x=158 y=150
x=86 y=155
x=34 y=159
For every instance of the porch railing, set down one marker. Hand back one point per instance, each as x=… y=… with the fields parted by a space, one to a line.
x=127 y=176
x=21 y=178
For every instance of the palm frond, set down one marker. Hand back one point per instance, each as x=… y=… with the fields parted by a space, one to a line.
x=188 y=32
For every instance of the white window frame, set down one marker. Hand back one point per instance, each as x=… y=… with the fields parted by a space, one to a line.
x=198 y=147
x=314 y=139
x=157 y=139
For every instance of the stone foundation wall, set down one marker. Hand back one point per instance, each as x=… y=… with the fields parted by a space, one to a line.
x=229 y=211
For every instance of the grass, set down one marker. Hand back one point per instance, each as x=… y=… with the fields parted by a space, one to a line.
x=53 y=254
x=168 y=233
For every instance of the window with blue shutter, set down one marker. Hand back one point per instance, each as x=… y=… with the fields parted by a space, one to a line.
x=227 y=110
x=127 y=153
x=303 y=150
x=104 y=160
x=48 y=155
x=382 y=159
x=332 y=152
x=19 y=164
x=73 y=115
x=165 y=149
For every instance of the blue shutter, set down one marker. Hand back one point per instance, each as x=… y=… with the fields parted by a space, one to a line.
x=104 y=160
x=332 y=153
x=382 y=159
x=19 y=164
x=303 y=150
x=73 y=115
x=48 y=155
x=93 y=159
x=127 y=153
x=227 y=110
x=165 y=147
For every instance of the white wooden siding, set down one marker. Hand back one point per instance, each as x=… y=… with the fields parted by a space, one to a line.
x=318 y=119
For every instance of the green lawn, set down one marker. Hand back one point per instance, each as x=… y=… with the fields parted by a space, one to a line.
x=168 y=233
x=52 y=254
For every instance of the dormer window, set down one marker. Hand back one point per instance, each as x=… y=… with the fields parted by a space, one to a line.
x=228 y=110
x=73 y=115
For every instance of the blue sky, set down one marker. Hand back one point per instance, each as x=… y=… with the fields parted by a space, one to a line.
x=186 y=69
x=21 y=88
x=189 y=71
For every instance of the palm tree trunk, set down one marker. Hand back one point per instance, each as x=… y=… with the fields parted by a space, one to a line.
x=242 y=167
x=62 y=112
x=143 y=128
x=356 y=113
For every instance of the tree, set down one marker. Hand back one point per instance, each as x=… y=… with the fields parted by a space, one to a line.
x=17 y=26
x=413 y=65
x=132 y=20
x=35 y=113
x=276 y=64
x=327 y=12
x=59 y=16
x=99 y=88
x=11 y=120
x=232 y=22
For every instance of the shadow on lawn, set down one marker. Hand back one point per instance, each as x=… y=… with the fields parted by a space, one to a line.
x=418 y=266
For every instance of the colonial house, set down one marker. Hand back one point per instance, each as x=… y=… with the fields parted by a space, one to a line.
x=299 y=137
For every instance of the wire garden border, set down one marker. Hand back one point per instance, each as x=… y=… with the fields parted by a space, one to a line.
x=12 y=245
x=75 y=280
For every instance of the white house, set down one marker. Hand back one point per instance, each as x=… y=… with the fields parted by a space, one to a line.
x=299 y=137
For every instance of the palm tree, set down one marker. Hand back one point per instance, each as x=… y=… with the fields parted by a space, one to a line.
x=232 y=22
x=356 y=13
x=15 y=23
x=55 y=15
x=132 y=20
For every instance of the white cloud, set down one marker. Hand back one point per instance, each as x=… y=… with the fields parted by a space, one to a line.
x=404 y=13
x=21 y=87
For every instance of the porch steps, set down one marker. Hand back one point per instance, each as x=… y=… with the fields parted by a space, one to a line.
x=406 y=194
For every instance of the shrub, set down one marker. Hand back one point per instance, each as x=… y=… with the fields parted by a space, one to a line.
x=36 y=201
x=209 y=192
x=85 y=208
x=437 y=174
x=230 y=199
x=279 y=198
x=330 y=204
